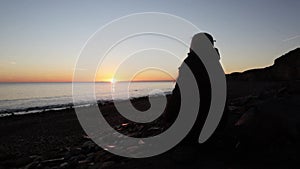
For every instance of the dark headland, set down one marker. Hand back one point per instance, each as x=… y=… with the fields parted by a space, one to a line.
x=260 y=129
x=285 y=68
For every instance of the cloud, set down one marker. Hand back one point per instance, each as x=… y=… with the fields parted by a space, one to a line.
x=291 y=38
x=13 y=63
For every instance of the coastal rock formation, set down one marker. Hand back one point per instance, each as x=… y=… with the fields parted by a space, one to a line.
x=286 y=67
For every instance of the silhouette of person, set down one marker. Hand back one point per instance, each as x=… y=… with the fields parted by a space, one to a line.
x=202 y=78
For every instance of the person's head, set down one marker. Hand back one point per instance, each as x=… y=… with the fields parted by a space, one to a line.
x=211 y=39
x=197 y=36
x=198 y=39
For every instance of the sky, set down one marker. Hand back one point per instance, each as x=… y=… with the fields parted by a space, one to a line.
x=41 y=40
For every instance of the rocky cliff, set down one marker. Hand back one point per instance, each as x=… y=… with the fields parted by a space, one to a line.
x=286 y=67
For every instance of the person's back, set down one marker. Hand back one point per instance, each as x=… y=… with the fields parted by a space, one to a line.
x=199 y=71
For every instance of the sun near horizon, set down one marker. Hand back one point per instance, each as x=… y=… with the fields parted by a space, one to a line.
x=113 y=80
x=150 y=75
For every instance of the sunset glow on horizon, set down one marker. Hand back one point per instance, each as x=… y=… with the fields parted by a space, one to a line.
x=144 y=76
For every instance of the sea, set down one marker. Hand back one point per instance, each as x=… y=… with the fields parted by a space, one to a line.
x=23 y=98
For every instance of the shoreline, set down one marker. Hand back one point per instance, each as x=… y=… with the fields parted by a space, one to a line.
x=32 y=110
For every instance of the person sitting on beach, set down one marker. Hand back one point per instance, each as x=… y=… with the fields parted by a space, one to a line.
x=199 y=71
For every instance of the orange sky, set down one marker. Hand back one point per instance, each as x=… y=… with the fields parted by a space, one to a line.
x=21 y=74
x=28 y=75
x=147 y=75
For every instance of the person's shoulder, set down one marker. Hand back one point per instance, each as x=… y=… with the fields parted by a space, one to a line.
x=191 y=57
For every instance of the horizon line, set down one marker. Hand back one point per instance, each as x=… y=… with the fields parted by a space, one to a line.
x=123 y=81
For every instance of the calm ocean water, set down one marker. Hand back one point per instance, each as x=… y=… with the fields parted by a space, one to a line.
x=23 y=98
